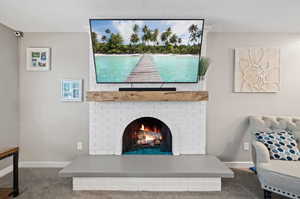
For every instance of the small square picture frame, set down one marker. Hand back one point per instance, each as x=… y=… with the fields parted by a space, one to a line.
x=38 y=59
x=71 y=90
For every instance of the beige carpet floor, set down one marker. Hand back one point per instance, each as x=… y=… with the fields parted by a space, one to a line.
x=46 y=184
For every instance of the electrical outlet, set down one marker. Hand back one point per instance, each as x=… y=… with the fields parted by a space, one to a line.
x=246 y=146
x=79 y=146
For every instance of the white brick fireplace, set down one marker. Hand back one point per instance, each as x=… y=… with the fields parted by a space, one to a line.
x=186 y=120
x=108 y=120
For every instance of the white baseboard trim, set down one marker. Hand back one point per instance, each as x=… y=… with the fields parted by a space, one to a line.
x=34 y=164
x=6 y=171
x=43 y=164
x=239 y=164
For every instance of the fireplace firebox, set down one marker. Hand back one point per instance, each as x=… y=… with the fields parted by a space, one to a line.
x=147 y=135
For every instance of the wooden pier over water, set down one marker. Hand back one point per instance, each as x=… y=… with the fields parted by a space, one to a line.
x=145 y=71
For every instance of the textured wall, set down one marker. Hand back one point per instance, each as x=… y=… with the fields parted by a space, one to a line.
x=50 y=128
x=227 y=111
x=9 y=111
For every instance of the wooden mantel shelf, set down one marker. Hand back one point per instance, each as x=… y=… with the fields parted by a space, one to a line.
x=121 y=96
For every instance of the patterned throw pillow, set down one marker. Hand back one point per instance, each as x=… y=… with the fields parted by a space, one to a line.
x=281 y=144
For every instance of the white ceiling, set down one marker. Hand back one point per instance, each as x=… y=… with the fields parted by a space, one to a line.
x=223 y=15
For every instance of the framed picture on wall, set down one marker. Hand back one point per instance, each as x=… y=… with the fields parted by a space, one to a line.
x=257 y=70
x=71 y=90
x=38 y=59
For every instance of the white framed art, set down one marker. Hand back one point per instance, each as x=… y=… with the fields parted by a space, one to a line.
x=257 y=70
x=71 y=90
x=38 y=59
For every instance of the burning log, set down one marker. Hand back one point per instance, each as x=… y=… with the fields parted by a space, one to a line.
x=148 y=138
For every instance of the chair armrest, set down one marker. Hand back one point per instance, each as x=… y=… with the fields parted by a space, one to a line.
x=261 y=154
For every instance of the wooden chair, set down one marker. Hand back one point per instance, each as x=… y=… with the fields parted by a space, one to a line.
x=6 y=193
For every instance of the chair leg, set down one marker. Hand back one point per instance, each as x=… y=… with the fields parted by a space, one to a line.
x=267 y=194
x=16 y=174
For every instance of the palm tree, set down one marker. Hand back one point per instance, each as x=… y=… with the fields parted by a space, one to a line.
x=115 y=40
x=104 y=38
x=94 y=41
x=145 y=37
x=149 y=35
x=136 y=28
x=94 y=38
x=169 y=32
x=154 y=36
x=134 y=38
x=199 y=34
x=145 y=29
x=179 y=41
x=165 y=36
x=194 y=33
x=174 y=39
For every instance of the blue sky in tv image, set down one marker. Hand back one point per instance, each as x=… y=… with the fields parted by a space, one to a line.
x=125 y=28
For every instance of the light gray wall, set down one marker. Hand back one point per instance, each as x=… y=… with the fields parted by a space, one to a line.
x=9 y=114
x=50 y=128
x=227 y=111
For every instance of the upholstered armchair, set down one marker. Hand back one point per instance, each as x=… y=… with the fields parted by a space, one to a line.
x=279 y=176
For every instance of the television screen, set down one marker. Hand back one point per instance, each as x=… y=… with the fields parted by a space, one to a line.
x=146 y=50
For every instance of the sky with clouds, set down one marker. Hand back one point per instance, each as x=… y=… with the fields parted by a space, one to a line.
x=124 y=27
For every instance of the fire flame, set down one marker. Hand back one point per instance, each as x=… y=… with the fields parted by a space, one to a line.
x=149 y=135
x=149 y=129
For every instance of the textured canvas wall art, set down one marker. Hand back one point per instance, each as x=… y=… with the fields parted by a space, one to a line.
x=257 y=70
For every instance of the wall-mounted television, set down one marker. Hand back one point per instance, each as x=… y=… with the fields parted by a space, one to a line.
x=146 y=50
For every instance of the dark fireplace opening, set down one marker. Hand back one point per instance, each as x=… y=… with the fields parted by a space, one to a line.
x=147 y=135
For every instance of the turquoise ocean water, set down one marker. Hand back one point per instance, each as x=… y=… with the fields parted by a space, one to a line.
x=114 y=68
x=177 y=68
x=171 y=68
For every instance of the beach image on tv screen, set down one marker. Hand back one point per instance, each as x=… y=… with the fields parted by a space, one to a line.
x=146 y=51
